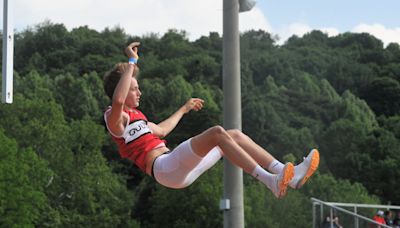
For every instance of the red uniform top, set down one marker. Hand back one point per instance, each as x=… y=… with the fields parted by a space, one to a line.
x=379 y=219
x=137 y=139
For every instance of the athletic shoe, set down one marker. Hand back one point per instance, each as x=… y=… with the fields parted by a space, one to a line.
x=282 y=180
x=304 y=170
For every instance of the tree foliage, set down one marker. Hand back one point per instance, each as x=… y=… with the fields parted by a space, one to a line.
x=59 y=168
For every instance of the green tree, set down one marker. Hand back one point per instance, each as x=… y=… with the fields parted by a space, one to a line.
x=302 y=94
x=50 y=41
x=194 y=206
x=262 y=209
x=77 y=93
x=174 y=45
x=383 y=96
x=345 y=74
x=392 y=124
x=23 y=179
x=95 y=196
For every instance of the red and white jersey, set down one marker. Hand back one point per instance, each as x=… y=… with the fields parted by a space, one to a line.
x=137 y=139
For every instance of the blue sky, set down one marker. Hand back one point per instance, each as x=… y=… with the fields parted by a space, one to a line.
x=341 y=14
x=279 y=17
x=379 y=18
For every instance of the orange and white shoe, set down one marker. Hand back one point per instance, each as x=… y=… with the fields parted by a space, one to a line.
x=282 y=180
x=304 y=170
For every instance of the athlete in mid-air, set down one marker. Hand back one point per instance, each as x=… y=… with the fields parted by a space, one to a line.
x=140 y=140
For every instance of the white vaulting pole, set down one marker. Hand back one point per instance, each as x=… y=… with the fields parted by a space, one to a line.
x=8 y=54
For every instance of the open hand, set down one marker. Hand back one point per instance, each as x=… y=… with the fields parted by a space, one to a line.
x=195 y=104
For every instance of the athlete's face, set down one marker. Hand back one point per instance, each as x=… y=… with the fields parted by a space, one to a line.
x=133 y=98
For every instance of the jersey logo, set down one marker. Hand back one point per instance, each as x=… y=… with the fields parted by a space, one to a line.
x=135 y=130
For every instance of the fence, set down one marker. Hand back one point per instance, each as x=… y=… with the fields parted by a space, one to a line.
x=356 y=217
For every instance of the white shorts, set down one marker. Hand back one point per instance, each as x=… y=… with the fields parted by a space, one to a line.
x=181 y=167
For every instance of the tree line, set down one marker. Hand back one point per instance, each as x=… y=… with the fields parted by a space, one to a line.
x=59 y=168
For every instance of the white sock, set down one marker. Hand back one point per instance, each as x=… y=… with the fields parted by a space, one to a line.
x=276 y=166
x=264 y=176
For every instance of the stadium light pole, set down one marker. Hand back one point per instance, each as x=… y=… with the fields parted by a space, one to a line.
x=8 y=54
x=232 y=203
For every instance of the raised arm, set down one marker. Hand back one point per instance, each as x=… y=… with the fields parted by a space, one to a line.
x=165 y=127
x=115 y=119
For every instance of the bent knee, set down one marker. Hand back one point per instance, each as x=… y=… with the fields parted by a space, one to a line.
x=217 y=129
x=218 y=132
x=236 y=134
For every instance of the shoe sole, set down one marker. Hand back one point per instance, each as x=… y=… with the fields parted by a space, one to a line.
x=313 y=167
x=287 y=177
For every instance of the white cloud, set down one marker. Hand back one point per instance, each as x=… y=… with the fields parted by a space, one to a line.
x=137 y=17
x=387 y=35
x=254 y=19
x=140 y=17
x=330 y=31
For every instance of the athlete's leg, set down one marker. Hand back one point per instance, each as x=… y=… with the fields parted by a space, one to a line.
x=181 y=167
x=262 y=157
x=212 y=157
x=303 y=171
x=217 y=136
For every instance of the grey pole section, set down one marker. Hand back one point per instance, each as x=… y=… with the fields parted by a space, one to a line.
x=8 y=54
x=233 y=176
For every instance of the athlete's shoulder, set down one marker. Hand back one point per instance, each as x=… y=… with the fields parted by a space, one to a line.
x=140 y=113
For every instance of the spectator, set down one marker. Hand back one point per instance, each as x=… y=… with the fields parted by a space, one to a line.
x=388 y=217
x=396 y=221
x=331 y=221
x=379 y=218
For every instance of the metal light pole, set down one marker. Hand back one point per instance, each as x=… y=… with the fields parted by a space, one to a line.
x=233 y=176
x=232 y=204
x=8 y=54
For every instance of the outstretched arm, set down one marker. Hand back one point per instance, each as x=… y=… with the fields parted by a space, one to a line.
x=165 y=127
